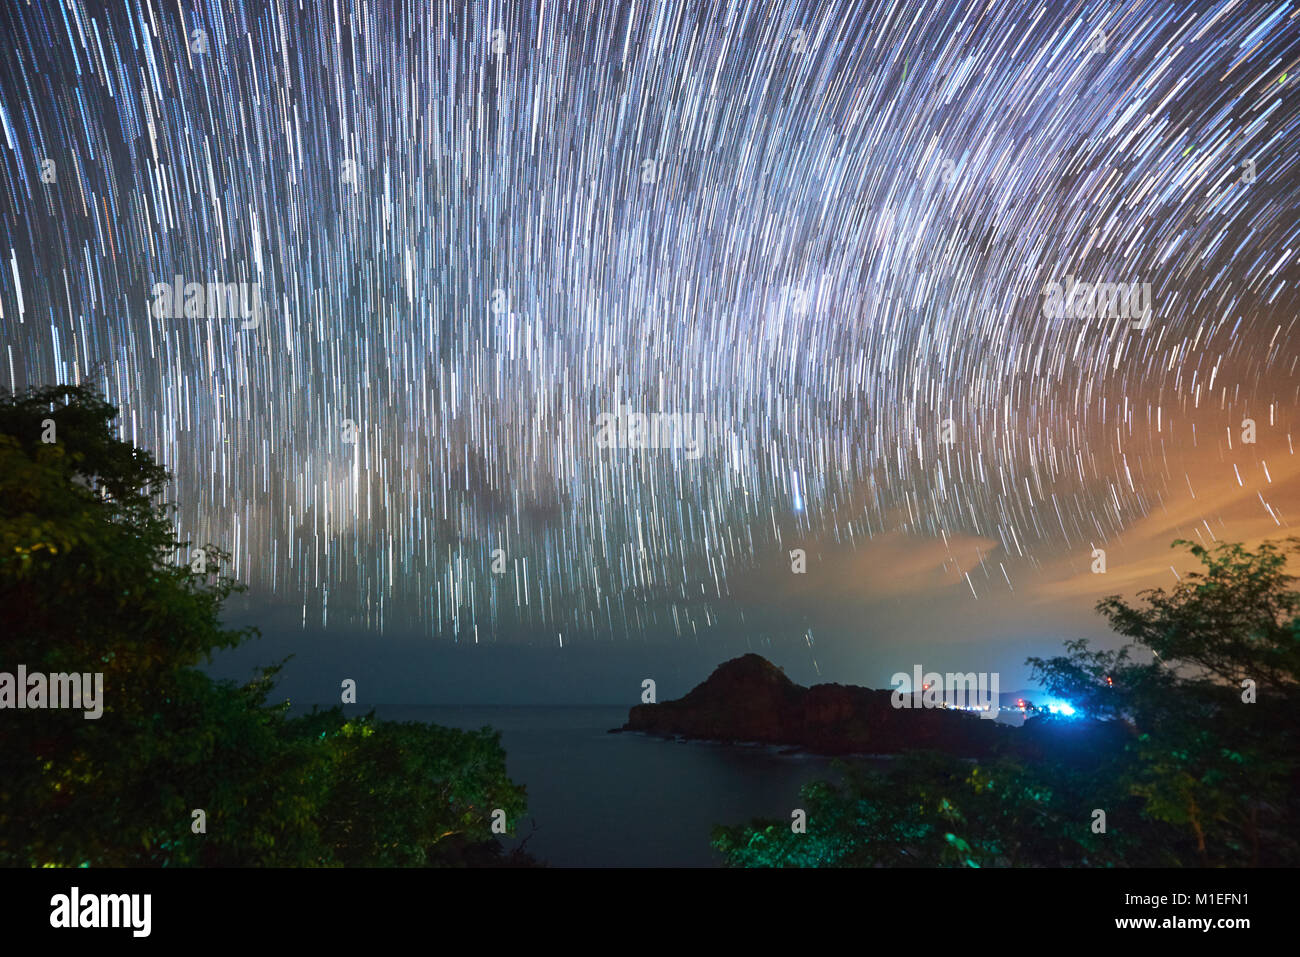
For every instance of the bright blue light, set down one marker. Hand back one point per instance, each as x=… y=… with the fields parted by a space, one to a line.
x=1061 y=708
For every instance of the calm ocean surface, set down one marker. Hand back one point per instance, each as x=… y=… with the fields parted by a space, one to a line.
x=626 y=800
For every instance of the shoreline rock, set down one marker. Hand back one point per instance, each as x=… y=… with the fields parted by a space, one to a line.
x=748 y=700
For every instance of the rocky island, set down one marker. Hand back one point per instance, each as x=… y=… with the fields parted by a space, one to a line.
x=749 y=699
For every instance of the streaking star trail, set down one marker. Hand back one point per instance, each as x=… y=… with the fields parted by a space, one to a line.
x=827 y=229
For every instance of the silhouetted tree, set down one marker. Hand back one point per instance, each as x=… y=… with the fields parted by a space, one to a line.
x=1191 y=756
x=93 y=579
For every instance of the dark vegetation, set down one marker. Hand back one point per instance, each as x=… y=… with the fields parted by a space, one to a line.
x=93 y=579
x=1190 y=750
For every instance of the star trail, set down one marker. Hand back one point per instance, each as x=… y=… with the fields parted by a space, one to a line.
x=824 y=228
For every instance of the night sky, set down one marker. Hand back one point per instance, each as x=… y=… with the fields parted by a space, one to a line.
x=826 y=231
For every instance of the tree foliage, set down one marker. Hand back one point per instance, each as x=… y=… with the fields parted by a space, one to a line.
x=1189 y=749
x=94 y=579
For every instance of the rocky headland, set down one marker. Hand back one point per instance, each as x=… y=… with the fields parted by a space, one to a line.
x=749 y=699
